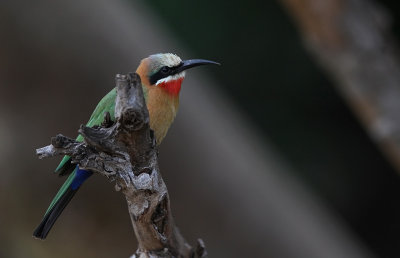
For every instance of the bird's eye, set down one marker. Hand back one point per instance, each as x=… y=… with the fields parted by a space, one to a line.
x=165 y=70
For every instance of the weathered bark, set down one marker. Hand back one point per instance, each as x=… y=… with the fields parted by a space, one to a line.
x=352 y=41
x=125 y=152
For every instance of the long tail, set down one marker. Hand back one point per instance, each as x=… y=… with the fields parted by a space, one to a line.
x=60 y=201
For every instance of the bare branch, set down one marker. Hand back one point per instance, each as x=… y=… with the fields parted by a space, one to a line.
x=125 y=152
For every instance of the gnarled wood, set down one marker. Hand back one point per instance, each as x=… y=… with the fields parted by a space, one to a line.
x=125 y=152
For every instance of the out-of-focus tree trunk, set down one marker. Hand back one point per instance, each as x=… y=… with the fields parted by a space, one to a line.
x=352 y=41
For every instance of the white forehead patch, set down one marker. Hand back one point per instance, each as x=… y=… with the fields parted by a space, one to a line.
x=172 y=60
x=167 y=59
x=172 y=77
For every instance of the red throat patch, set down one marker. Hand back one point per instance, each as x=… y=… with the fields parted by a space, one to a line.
x=172 y=87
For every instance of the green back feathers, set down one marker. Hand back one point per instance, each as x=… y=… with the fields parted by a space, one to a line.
x=107 y=104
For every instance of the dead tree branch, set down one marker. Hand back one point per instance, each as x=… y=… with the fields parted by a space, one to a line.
x=125 y=152
x=352 y=41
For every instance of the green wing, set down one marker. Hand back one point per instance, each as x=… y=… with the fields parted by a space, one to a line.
x=106 y=104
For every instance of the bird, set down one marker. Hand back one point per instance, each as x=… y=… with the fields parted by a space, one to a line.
x=161 y=77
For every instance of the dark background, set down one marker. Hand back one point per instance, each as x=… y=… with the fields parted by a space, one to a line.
x=297 y=108
x=267 y=74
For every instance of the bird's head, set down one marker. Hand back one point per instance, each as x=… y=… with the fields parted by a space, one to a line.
x=166 y=71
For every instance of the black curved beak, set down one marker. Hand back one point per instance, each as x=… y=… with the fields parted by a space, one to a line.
x=186 y=64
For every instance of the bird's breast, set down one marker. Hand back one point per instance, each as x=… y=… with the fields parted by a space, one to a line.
x=162 y=111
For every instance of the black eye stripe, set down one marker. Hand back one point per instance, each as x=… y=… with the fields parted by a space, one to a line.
x=163 y=72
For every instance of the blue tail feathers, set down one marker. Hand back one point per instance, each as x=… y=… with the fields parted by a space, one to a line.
x=80 y=177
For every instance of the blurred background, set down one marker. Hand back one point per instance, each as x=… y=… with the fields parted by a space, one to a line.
x=289 y=149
